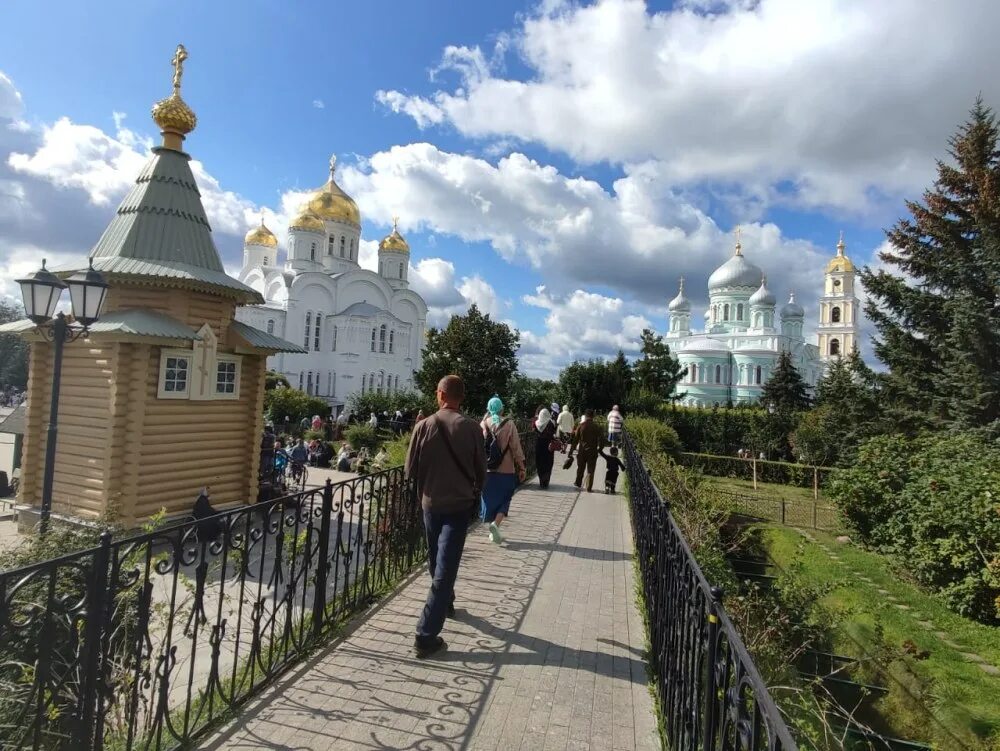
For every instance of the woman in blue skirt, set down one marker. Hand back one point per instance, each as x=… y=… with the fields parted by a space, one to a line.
x=501 y=480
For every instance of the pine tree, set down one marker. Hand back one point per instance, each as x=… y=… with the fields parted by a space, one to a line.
x=848 y=397
x=657 y=371
x=938 y=317
x=785 y=390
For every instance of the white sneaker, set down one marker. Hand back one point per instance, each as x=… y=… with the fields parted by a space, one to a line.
x=495 y=536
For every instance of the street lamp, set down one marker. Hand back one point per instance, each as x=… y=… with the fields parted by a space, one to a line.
x=40 y=293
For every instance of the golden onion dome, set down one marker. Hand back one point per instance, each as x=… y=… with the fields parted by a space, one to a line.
x=840 y=262
x=394 y=241
x=307 y=221
x=261 y=236
x=332 y=203
x=172 y=114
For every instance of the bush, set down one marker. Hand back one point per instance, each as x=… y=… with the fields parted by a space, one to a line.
x=933 y=503
x=281 y=403
x=363 y=436
x=726 y=431
x=654 y=436
x=405 y=401
x=779 y=473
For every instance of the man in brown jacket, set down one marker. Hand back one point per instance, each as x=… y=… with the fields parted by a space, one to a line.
x=447 y=461
x=587 y=441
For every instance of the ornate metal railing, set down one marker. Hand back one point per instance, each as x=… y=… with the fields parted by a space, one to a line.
x=145 y=642
x=711 y=694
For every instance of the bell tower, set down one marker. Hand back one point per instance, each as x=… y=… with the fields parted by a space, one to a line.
x=838 y=308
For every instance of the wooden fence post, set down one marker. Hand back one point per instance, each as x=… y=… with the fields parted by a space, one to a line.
x=815 y=483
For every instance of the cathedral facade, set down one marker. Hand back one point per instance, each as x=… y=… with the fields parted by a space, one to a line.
x=745 y=332
x=363 y=331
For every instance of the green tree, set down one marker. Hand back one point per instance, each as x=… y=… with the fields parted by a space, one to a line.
x=273 y=380
x=482 y=351
x=526 y=394
x=374 y=401
x=282 y=403
x=596 y=384
x=785 y=391
x=937 y=308
x=13 y=351
x=657 y=371
x=849 y=393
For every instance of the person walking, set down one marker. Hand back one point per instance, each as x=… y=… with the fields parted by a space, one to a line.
x=587 y=441
x=615 y=422
x=545 y=429
x=447 y=463
x=565 y=424
x=504 y=469
x=373 y=422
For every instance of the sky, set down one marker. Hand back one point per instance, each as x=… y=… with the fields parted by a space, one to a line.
x=560 y=164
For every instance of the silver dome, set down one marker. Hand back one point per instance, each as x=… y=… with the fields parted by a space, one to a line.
x=703 y=344
x=792 y=309
x=762 y=297
x=680 y=304
x=736 y=272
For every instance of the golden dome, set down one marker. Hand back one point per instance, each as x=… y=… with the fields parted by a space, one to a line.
x=840 y=262
x=394 y=241
x=331 y=202
x=172 y=114
x=306 y=220
x=261 y=236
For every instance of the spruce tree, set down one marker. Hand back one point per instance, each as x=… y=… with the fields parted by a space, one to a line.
x=848 y=396
x=937 y=313
x=785 y=390
x=657 y=371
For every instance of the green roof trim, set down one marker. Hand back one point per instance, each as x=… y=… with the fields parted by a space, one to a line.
x=161 y=230
x=143 y=323
x=262 y=340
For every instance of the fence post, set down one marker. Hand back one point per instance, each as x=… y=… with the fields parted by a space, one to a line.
x=754 y=461
x=815 y=525
x=713 y=655
x=815 y=483
x=322 y=565
x=90 y=657
x=782 y=511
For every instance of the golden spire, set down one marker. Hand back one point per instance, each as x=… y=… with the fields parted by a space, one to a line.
x=682 y=285
x=840 y=244
x=395 y=224
x=739 y=245
x=333 y=165
x=172 y=114
x=394 y=240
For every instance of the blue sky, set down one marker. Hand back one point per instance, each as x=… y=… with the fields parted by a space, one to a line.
x=597 y=151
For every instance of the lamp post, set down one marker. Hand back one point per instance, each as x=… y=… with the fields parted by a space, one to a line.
x=41 y=292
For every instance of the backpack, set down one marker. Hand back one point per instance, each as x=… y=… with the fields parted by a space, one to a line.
x=491 y=444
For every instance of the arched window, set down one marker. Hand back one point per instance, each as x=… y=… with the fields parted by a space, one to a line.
x=373 y=340
x=309 y=383
x=725 y=312
x=333 y=383
x=392 y=337
x=718 y=374
x=835 y=315
x=756 y=321
x=381 y=338
x=381 y=376
x=270 y=325
x=834 y=347
x=329 y=246
x=400 y=271
x=342 y=241
x=309 y=318
x=351 y=253
x=301 y=377
x=757 y=376
x=397 y=383
x=312 y=252
x=739 y=312
x=334 y=339
x=265 y=260
x=316 y=338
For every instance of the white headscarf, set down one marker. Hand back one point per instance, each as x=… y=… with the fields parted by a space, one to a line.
x=544 y=418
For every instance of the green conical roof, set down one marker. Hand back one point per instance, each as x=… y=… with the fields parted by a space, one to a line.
x=160 y=232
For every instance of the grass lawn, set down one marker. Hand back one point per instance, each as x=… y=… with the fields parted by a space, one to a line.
x=963 y=698
x=766 y=502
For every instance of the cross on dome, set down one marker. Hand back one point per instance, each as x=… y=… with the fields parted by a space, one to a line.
x=840 y=244
x=333 y=164
x=739 y=244
x=180 y=55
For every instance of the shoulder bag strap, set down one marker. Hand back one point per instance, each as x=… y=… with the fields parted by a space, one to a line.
x=454 y=456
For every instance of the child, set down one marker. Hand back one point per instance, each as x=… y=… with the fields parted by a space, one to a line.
x=614 y=464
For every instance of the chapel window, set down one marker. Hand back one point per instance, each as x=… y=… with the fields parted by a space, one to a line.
x=175 y=371
x=270 y=325
x=381 y=338
x=834 y=347
x=301 y=377
x=397 y=383
x=316 y=338
x=835 y=315
x=227 y=378
x=308 y=329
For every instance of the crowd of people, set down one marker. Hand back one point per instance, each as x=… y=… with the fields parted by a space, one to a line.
x=11 y=397
x=457 y=464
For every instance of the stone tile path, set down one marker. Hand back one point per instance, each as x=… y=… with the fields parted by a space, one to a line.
x=546 y=655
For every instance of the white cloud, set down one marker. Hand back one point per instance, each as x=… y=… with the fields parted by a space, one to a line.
x=318 y=104
x=11 y=103
x=827 y=103
x=434 y=280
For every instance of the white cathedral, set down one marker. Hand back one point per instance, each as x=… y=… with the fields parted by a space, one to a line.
x=731 y=360
x=362 y=331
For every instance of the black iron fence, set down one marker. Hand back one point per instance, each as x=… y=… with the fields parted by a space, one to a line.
x=711 y=694
x=146 y=642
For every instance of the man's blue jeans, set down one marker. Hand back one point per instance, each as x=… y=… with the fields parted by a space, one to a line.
x=445 y=542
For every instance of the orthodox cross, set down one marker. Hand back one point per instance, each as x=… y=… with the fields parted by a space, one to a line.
x=682 y=283
x=395 y=222
x=739 y=235
x=333 y=164
x=178 y=62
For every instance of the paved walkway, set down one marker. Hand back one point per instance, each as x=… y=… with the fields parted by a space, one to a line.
x=548 y=653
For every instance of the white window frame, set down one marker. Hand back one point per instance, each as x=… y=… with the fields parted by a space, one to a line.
x=236 y=360
x=161 y=391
